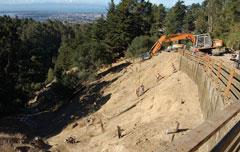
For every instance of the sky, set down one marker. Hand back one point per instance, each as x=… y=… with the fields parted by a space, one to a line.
x=101 y=5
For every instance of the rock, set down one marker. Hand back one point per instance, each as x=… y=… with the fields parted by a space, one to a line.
x=74 y=125
x=182 y=101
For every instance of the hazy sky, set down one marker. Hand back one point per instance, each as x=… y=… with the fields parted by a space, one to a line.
x=167 y=3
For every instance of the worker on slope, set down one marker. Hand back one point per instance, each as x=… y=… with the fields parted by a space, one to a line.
x=158 y=76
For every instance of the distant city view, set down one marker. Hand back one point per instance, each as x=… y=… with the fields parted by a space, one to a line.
x=71 y=13
x=70 y=17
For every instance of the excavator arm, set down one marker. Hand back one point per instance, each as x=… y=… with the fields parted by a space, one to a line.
x=157 y=46
x=172 y=37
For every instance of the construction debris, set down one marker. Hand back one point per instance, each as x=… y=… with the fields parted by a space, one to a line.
x=71 y=140
x=140 y=90
x=89 y=120
x=174 y=68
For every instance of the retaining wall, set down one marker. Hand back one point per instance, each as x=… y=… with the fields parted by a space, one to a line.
x=211 y=96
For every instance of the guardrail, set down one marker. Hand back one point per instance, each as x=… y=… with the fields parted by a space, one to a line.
x=226 y=77
x=229 y=81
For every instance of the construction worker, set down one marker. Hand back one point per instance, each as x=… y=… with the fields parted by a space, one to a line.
x=195 y=50
x=169 y=48
x=158 y=76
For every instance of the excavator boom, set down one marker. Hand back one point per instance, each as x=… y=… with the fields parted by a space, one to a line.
x=172 y=37
x=157 y=46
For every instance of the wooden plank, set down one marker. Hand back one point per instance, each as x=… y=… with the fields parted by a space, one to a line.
x=213 y=63
x=224 y=74
x=202 y=61
x=192 y=140
x=215 y=72
x=219 y=70
x=235 y=92
x=229 y=141
x=215 y=66
x=233 y=97
x=223 y=82
x=208 y=62
x=236 y=83
x=229 y=82
x=199 y=57
x=226 y=68
x=237 y=76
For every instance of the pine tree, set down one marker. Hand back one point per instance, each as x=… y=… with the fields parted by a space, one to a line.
x=159 y=14
x=175 y=18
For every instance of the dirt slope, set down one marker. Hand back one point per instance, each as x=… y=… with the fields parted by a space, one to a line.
x=173 y=98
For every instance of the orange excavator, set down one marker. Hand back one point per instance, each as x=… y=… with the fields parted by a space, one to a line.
x=202 y=42
x=172 y=37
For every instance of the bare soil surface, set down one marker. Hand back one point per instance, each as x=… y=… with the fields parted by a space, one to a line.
x=226 y=61
x=174 y=98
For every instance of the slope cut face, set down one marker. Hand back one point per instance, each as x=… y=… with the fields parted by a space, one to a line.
x=128 y=123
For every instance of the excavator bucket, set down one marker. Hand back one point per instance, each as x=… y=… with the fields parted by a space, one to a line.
x=145 y=56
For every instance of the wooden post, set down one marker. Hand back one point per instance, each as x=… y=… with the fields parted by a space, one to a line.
x=213 y=63
x=219 y=71
x=198 y=58
x=194 y=56
x=175 y=131
x=119 y=132
x=229 y=82
x=205 y=61
x=208 y=62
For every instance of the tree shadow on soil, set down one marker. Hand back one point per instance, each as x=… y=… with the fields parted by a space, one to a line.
x=88 y=101
x=50 y=123
x=114 y=69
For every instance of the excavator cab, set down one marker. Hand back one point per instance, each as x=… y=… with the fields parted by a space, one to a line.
x=203 y=41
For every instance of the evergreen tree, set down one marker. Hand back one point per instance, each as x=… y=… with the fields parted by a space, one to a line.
x=159 y=13
x=175 y=18
x=201 y=24
x=99 y=30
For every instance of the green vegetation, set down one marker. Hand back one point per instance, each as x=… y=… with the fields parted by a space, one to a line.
x=32 y=54
x=140 y=45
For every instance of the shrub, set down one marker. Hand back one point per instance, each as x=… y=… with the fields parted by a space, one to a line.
x=140 y=45
x=50 y=76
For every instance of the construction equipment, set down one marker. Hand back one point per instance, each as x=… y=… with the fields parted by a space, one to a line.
x=202 y=42
x=170 y=38
x=235 y=58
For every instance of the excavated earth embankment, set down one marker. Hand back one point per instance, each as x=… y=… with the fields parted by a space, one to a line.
x=143 y=120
